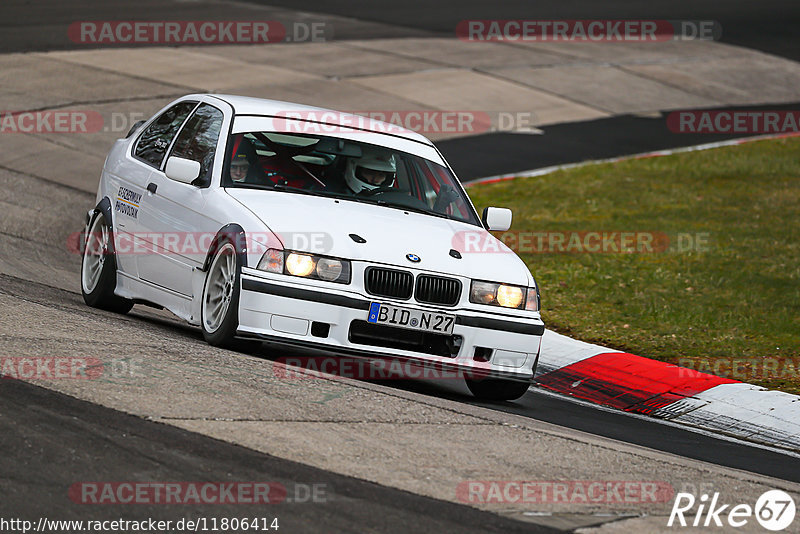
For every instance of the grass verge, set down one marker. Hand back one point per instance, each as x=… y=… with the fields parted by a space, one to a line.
x=710 y=275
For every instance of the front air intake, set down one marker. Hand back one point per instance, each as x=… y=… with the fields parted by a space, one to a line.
x=437 y=290
x=389 y=283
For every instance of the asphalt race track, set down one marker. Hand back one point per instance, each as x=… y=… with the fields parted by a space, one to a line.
x=494 y=154
x=770 y=26
x=188 y=384
x=76 y=437
x=632 y=429
x=387 y=455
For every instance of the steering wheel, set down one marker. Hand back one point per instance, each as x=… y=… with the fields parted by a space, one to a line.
x=378 y=191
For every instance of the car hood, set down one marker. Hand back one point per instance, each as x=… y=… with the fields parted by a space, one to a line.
x=324 y=226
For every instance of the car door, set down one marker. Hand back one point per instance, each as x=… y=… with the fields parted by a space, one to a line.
x=172 y=212
x=133 y=174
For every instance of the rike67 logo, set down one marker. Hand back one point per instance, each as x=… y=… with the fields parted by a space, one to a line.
x=774 y=510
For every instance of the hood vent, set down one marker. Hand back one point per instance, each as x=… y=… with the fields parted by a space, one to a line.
x=357 y=238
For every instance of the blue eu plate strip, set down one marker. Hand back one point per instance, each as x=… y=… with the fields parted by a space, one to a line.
x=374 y=308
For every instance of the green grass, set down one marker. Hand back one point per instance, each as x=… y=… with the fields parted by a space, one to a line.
x=736 y=299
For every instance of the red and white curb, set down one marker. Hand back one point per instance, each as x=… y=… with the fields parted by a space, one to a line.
x=649 y=387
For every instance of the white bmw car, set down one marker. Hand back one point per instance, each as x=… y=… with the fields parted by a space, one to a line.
x=272 y=221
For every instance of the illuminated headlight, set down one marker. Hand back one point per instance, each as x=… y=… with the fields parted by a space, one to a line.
x=299 y=264
x=306 y=266
x=495 y=294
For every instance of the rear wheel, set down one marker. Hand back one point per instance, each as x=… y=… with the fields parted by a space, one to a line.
x=497 y=389
x=99 y=269
x=220 y=306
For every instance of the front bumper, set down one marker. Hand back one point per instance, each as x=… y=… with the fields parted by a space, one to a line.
x=330 y=319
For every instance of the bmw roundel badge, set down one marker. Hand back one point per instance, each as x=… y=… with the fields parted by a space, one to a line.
x=413 y=258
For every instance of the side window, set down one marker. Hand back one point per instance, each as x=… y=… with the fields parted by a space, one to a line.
x=155 y=140
x=198 y=139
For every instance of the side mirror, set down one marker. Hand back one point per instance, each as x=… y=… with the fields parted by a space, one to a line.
x=182 y=169
x=496 y=219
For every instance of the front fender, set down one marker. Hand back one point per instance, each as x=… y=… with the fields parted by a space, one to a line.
x=230 y=232
x=104 y=207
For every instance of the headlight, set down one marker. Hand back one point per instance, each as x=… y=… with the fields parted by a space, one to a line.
x=483 y=292
x=495 y=294
x=510 y=296
x=306 y=266
x=329 y=269
x=299 y=264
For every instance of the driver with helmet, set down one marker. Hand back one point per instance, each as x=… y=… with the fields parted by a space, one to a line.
x=240 y=167
x=373 y=170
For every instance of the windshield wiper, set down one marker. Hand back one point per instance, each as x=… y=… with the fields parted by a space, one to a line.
x=312 y=192
x=280 y=187
x=400 y=206
x=291 y=189
x=250 y=186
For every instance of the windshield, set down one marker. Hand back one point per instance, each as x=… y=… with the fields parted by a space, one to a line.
x=330 y=166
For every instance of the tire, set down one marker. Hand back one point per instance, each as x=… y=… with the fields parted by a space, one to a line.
x=496 y=389
x=99 y=269
x=219 y=312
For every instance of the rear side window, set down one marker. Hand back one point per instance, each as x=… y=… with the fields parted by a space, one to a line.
x=198 y=139
x=154 y=141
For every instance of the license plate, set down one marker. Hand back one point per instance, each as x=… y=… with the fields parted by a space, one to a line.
x=438 y=323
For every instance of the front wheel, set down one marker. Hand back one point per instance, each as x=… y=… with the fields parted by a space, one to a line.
x=497 y=389
x=99 y=269
x=220 y=305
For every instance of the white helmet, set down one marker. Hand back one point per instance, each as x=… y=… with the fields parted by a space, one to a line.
x=370 y=160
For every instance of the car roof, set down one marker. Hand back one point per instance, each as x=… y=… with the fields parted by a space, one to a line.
x=245 y=105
